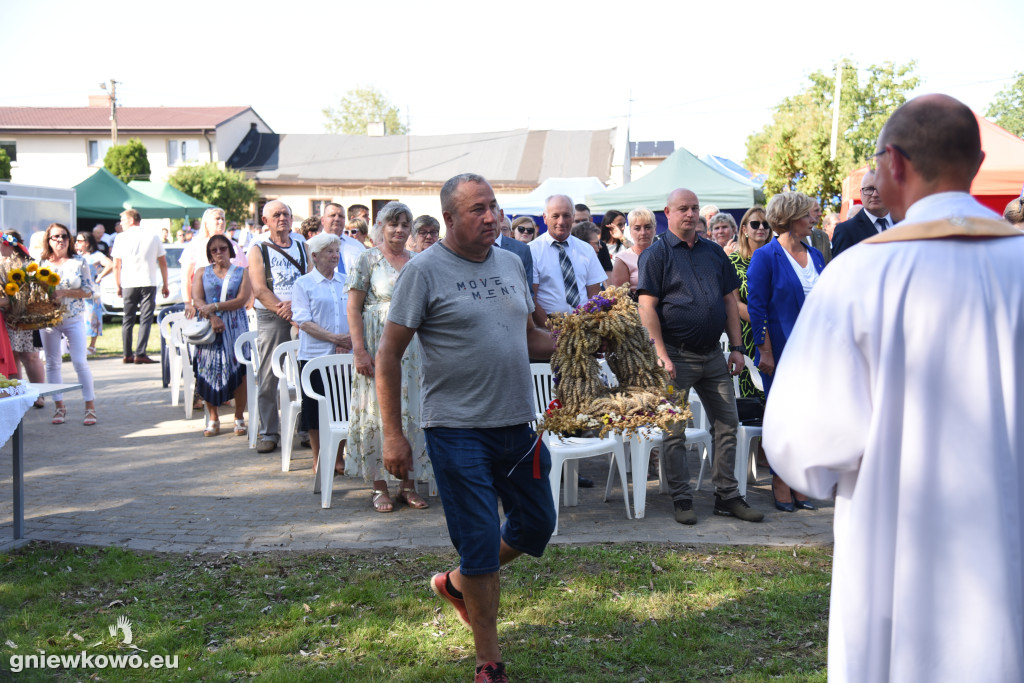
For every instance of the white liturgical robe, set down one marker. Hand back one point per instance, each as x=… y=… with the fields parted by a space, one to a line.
x=902 y=390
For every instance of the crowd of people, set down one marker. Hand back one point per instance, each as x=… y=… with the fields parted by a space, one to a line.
x=426 y=407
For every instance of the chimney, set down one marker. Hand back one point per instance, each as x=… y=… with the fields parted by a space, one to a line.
x=99 y=101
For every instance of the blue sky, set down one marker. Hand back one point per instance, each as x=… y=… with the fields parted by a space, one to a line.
x=705 y=77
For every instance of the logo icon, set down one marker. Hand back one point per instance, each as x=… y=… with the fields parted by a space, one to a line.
x=124 y=626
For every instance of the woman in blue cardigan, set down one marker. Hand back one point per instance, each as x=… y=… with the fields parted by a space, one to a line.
x=780 y=276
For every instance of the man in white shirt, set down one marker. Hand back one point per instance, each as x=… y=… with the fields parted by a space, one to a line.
x=137 y=254
x=566 y=271
x=333 y=222
x=921 y=330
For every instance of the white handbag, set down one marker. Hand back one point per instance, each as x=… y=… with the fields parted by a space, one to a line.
x=200 y=331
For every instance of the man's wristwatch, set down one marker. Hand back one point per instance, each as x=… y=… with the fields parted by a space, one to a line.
x=737 y=348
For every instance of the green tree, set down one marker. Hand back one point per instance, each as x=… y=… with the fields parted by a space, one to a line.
x=360 y=107
x=128 y=161
x=224 y=187
x=1007 y=109
x=794 y=148
x=5 y=165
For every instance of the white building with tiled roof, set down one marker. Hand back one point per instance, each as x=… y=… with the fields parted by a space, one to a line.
x=62 y=146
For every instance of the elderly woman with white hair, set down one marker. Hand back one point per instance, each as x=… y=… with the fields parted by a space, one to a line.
x=371 y=283
x=642 y=227
x=193 y=256
x=319 y=308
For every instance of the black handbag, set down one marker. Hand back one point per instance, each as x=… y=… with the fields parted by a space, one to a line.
x=750 y=410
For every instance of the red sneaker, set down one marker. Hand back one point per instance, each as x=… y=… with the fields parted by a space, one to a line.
x=439 y=584
x=492 y=672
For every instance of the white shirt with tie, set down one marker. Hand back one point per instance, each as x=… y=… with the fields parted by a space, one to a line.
x=547 y=271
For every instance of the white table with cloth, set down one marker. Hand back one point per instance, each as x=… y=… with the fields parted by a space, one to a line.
x=12 y=413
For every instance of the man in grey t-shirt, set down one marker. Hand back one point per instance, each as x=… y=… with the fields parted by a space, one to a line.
x=464 y=299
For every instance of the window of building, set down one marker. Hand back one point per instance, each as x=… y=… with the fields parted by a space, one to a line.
x=11 y=147
x=318 y=206
x=378 y=204
x=98 y=151
x=181 y=152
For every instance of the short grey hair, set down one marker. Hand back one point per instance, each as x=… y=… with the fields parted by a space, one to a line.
x=567 y=198
x=452 y=184
x=391 y=213
x=322 y=240
x=424 y=221
x=722 y=217
x=585 y=230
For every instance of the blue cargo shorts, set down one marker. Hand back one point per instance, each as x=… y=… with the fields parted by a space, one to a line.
x=473 y=469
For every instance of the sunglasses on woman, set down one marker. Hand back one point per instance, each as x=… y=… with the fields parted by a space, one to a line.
x=351 y=233
x=757 y=225
x=525 y=231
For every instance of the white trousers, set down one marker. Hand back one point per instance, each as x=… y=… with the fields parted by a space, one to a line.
x=74 y=329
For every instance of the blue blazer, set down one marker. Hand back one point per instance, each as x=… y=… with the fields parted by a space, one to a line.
x=775 y=296
x=521 y=250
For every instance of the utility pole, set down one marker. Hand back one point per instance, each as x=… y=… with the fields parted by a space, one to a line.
x=627 y=167
x=113 y=109
x=835 y=111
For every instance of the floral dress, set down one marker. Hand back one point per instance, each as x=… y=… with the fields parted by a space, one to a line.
x=376 y=276
x=93 y=307
x=217 y=371
x=747 y=388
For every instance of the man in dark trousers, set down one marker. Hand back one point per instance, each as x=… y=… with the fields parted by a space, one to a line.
x=867 y=223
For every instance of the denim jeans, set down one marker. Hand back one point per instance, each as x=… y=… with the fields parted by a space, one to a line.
x=708 y=374
x=473 y=468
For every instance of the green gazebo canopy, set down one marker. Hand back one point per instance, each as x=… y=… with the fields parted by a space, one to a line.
x=680 y=169
x=102 y=196
x=166 y=192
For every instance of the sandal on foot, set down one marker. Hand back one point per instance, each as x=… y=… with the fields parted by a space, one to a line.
x=382 y=501
x=40 y=403
x=91 y=350
x=240 y=429
x=58 y=417
x=90 y=417
x=411 y=498
x=213 y=429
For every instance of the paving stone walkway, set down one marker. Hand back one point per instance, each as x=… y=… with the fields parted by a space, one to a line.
x=145 y=478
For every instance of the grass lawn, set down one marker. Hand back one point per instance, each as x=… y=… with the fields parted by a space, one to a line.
x=633 y=612
x=109 y=343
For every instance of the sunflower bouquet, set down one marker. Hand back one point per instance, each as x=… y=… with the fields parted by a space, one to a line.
x=608 y=322
x=29 y=289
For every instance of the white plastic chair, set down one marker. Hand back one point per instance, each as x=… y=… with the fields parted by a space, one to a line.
x=336 y=372
x=174 y=358
x=180 y=365
x=252 y=369
x=564 y=450
x=643 y=441
x=639 y=446
x=285 y=364
x=746 y=435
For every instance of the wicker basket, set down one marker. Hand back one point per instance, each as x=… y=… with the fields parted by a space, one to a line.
x=37 y=315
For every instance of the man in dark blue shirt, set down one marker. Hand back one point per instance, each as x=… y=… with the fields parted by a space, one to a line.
x=687 y=289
